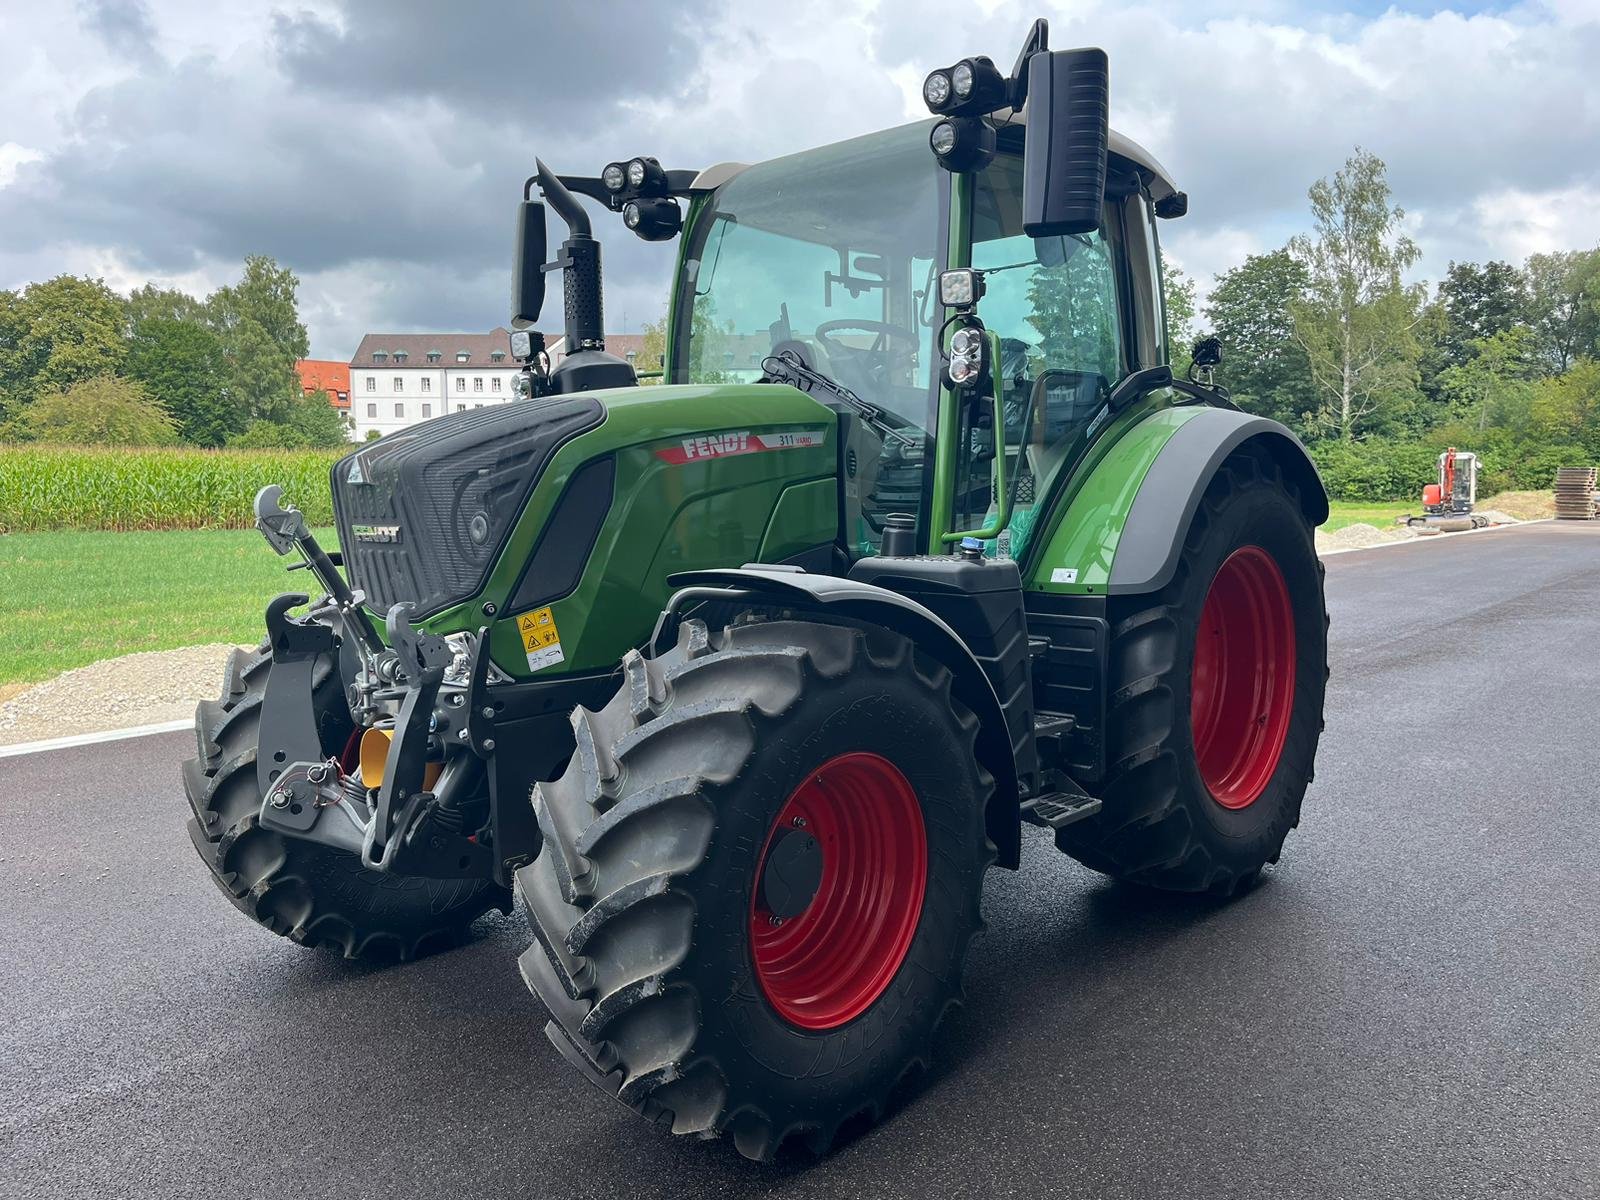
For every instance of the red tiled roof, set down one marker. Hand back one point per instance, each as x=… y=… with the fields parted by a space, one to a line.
x=325 y=375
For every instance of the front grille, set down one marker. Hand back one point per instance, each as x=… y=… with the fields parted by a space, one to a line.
x=424 y=513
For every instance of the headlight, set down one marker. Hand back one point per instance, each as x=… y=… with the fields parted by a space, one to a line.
x=968 y=349
x=636 y=173
x=943 y=138
x=961 y=77
x=936 y=90
x=613 y=177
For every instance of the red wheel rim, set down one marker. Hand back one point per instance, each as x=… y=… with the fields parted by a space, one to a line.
x=1242 y=687
x=826 y=965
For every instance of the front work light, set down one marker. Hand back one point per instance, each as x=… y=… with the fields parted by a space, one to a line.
x=615 y=176
x=963 y=143
x=655 y=219
x=972 y=87
x=961 y=288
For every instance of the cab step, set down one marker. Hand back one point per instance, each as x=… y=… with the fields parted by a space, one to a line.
x=1058 y=809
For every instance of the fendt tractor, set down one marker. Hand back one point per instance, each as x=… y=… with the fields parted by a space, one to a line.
x=743 y=681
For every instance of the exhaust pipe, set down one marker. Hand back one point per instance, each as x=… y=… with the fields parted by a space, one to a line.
x=586 y=365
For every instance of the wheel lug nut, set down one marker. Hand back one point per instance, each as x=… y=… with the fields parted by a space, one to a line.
x=799 y=822
x=774 y=921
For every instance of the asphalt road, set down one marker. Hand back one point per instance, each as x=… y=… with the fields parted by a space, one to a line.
x=1408 y=1006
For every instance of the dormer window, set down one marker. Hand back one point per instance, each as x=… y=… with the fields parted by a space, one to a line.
x=379 y=356
x=433 y=356
x=463 y=356
x=632 y=354
x=497 y=356
x=400 y=356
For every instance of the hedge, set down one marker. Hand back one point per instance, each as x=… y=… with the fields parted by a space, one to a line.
x=1393 y=470
x=91 y=487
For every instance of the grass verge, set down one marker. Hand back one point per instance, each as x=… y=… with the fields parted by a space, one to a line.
x=75 y=598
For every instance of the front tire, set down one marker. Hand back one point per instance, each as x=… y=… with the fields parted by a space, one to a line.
x=759 y=877
x=306 y=892
x=1215 y=697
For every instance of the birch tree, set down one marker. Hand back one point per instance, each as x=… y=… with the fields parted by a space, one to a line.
x=1357 y=317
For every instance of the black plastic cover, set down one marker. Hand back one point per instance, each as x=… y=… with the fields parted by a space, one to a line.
x=568 y=537
x=423 y=513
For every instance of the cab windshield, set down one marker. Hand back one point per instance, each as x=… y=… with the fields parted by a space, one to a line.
x=829 y=255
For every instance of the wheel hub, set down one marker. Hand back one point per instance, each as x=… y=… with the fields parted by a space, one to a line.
x=1242 y=685
x=839 y=890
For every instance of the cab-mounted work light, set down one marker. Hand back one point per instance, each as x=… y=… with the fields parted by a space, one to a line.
x=971 y=87
x=655 y=219
x=963 y=143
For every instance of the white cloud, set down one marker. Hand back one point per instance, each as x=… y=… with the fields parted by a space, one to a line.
x=394 y=208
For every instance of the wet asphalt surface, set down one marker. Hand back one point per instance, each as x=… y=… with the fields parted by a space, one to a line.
x=1408 y=1006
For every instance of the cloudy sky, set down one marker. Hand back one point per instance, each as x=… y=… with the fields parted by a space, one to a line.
x=378 y=146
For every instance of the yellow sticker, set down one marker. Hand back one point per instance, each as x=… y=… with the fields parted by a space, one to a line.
x=540 y=639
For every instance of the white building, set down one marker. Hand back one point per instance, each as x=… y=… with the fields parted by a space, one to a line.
x=400 y=379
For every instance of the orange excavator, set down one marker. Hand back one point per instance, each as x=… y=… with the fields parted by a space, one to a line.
x=1447 y=505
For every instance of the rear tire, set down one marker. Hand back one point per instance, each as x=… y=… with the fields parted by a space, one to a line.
x=674 y=983
x=303 y=891
x=1199 y=796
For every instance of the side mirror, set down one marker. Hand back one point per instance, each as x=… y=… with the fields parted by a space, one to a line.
x=1064 y=156
x=527 y=269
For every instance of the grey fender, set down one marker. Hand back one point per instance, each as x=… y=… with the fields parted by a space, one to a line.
x=1147 y=552
x=836 y=596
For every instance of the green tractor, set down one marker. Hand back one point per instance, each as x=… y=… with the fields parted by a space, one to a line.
x=744 y=681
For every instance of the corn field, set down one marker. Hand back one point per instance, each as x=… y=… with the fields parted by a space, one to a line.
x=87 y=488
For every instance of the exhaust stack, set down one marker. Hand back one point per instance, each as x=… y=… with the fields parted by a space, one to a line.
x=586 y=365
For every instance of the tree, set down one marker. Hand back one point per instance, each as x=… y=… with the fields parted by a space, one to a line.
x=1564 y=306
x=1479 y=302
x=1567 y=407
x=310 y=422
x=1177 y=293
x=1492 y=383
x=653 y=350
x=180 y=365
x=151 y=303
x=99 y=411
x=1357 y=319
x=60 y=331
x=1251 y=309
x=317 y=422
x=259 y=324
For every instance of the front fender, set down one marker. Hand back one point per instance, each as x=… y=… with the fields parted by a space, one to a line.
x=834 y=595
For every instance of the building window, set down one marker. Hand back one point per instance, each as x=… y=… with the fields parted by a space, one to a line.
x=477 y=406
x=461 y=383
x=463 y=356
x=372 y=384
x=477 y=383
x=497 y=356
x=433 y=356
x=494 y=384
x=379 y=356
x=632 y=354
x=399 y=383
x=427 y=384
x=400 y=356
x=427 y=411
x=461 y=408
x=372 y=411
x=399 y=410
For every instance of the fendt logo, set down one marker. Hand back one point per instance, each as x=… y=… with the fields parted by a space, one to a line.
x=739 y=441
x=376 y=533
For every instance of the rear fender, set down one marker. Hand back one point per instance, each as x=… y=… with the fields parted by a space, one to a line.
x=832 y=595
x=1152 y=540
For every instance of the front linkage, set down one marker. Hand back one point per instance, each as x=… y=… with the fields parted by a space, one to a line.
x=412 y=792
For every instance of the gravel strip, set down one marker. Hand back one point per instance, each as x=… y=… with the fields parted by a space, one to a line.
x=137 y=689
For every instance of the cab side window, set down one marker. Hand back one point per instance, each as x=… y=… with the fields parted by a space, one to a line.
x=1055 y=305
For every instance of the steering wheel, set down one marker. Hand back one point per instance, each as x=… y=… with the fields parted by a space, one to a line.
x=867 y=367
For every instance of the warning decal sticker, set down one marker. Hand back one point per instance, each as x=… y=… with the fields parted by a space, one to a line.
x=540 y=639
x=739 y=441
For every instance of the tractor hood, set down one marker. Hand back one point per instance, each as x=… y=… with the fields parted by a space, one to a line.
x=427 y=515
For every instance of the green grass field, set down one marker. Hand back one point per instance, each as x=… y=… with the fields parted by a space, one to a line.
x=1352 y=512
x=75 y=598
